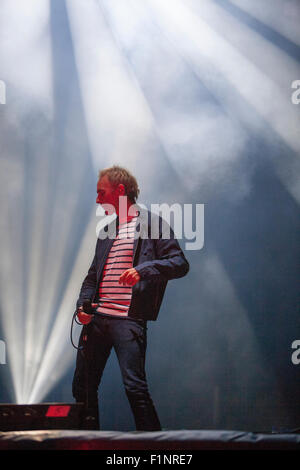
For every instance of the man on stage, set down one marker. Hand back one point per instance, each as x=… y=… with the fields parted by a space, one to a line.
x=125 y=283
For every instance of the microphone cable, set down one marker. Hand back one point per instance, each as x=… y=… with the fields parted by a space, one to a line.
x=87 y=308
x=79 y=348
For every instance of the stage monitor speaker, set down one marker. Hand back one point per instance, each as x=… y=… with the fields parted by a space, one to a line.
x=41 y=416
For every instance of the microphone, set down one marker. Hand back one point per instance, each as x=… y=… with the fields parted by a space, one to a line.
x=87 y=306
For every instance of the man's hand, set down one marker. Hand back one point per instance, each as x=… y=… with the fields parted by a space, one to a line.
x=85 y=318
x=129 y=277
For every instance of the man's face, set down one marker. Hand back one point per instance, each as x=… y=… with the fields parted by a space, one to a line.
x=106 y=193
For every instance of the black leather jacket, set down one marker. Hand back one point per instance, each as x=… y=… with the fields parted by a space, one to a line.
x=157 y=260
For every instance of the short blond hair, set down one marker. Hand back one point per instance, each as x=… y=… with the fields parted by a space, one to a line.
x=119 y=175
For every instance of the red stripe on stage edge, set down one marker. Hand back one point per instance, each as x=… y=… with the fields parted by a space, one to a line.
x=58 y=411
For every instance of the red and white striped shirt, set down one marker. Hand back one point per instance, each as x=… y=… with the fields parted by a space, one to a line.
x=114 y=298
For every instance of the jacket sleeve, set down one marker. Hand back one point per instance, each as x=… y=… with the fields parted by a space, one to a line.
x=170 y=262
x=88 y=287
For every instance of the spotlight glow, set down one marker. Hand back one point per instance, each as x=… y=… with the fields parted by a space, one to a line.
x=58 y=353
x=211 y=55
x=29 y=91
x=119 y=122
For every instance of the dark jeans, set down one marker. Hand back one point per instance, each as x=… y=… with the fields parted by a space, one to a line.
x=129 y=339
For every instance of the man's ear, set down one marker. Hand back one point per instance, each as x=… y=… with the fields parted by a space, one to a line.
x=121 y=189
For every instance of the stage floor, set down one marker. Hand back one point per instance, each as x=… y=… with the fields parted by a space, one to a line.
x=159 y=441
